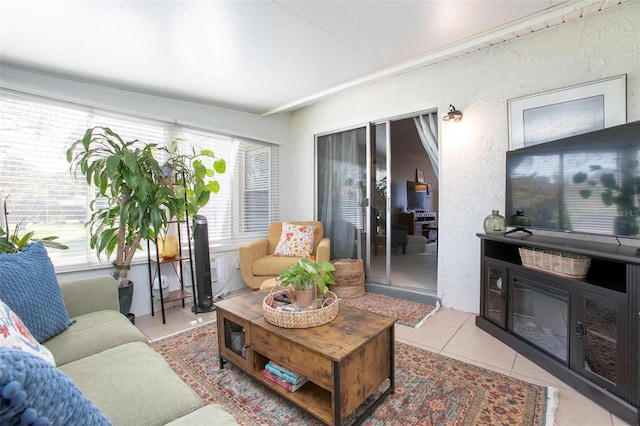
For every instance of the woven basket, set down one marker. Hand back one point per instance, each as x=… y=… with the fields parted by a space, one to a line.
x=349 y=278
x=558 y=263
x=350 y=292
x=304 y=319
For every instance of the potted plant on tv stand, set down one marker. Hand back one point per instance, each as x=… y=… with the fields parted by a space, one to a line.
x=306 y=277
x=134 y=201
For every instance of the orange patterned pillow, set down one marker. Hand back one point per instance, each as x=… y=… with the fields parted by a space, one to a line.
x=15 y=335
x=295 y=240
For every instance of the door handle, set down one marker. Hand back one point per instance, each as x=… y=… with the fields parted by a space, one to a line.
x=579 y=329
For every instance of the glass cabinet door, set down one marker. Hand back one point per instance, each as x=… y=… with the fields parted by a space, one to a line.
x=599 y=332
x=495 y=294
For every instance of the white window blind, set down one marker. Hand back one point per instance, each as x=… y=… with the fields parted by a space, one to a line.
x=44 y=197
x=248 y=200
x=260 y=195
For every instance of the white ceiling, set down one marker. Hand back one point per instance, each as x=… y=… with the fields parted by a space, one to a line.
x=259 y=56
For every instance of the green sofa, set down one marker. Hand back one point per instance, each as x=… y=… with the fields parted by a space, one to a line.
x=110 y=361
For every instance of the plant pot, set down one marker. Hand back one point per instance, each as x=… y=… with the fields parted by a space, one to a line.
x=125 y=296
x=305 y=299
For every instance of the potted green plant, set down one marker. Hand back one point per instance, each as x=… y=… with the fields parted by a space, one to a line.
x=134 y=200
x=198 y=182
x=14 y=243
x=305 y=276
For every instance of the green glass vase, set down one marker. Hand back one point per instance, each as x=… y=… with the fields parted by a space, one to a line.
x=494 y=223
x=520 y=219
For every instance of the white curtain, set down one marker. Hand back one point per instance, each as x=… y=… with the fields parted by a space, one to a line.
x=341 y=189
x=427 y=126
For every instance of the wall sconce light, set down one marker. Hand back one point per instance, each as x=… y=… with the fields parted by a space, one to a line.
x=452 y=115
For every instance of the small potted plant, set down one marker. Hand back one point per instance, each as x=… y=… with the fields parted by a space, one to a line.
x=305 y=276
x=14 y=243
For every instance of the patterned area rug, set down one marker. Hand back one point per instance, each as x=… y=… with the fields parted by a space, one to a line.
x=409 y=313
x=430 y=389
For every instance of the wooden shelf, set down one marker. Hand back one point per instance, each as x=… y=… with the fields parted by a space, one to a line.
x=313 y=398
x=175 y=259
x=175 y=295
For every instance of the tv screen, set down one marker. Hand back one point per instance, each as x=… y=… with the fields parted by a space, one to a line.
x=416 y=196
x=588 y=183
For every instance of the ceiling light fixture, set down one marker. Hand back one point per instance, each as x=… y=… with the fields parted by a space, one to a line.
x=452 y=115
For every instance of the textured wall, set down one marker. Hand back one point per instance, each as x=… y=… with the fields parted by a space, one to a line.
x=472 y=151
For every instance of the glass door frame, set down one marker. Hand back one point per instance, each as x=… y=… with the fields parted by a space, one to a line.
x=372 y=145
x=364 y=249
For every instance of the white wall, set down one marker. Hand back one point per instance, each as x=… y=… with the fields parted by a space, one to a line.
x=274 y=129
x=472 y=152
x=230 y=280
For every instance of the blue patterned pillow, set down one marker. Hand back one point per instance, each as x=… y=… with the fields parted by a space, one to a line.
x=32 y=391
x=28 y=285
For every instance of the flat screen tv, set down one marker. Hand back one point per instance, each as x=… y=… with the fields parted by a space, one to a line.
x=587 y=184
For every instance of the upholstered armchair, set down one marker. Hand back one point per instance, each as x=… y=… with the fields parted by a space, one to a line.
x=258 y=262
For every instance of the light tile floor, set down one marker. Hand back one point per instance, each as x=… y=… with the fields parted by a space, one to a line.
x=450 y=333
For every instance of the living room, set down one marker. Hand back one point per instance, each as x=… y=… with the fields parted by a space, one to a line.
x=472 y=152
x=483 y=85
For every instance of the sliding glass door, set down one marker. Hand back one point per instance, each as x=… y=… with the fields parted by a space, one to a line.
x=364 y=176
x=353 y=197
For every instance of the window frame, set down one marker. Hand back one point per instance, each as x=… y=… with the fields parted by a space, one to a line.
x=234 y=177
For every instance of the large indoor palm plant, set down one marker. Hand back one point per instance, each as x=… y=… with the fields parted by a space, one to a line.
x=134 y=198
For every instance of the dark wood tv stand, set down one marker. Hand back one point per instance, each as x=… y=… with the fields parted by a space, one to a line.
x=596 y=349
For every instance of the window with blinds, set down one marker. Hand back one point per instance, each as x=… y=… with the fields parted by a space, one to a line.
x=43 y=196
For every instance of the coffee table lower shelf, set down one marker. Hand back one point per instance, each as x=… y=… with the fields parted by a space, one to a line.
x=318 y=401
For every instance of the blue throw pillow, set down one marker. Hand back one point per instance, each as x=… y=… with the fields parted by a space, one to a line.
x=28 y=285
x=34 y=392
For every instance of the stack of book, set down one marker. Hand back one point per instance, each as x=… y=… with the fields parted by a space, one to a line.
x=283 y=377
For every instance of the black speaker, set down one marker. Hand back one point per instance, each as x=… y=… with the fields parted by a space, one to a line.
x=202 y=266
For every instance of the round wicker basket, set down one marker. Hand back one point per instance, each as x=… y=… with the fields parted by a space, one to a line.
x=304 y=319
x=349 y=278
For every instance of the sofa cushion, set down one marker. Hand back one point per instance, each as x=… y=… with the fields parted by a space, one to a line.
x=32 y=391
x=92 y=333
x=295 y=240
x=133 y=385
x=15 y=335
x=28 y=285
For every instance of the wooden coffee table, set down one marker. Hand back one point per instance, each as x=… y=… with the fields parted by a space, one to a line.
x=346 y=360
